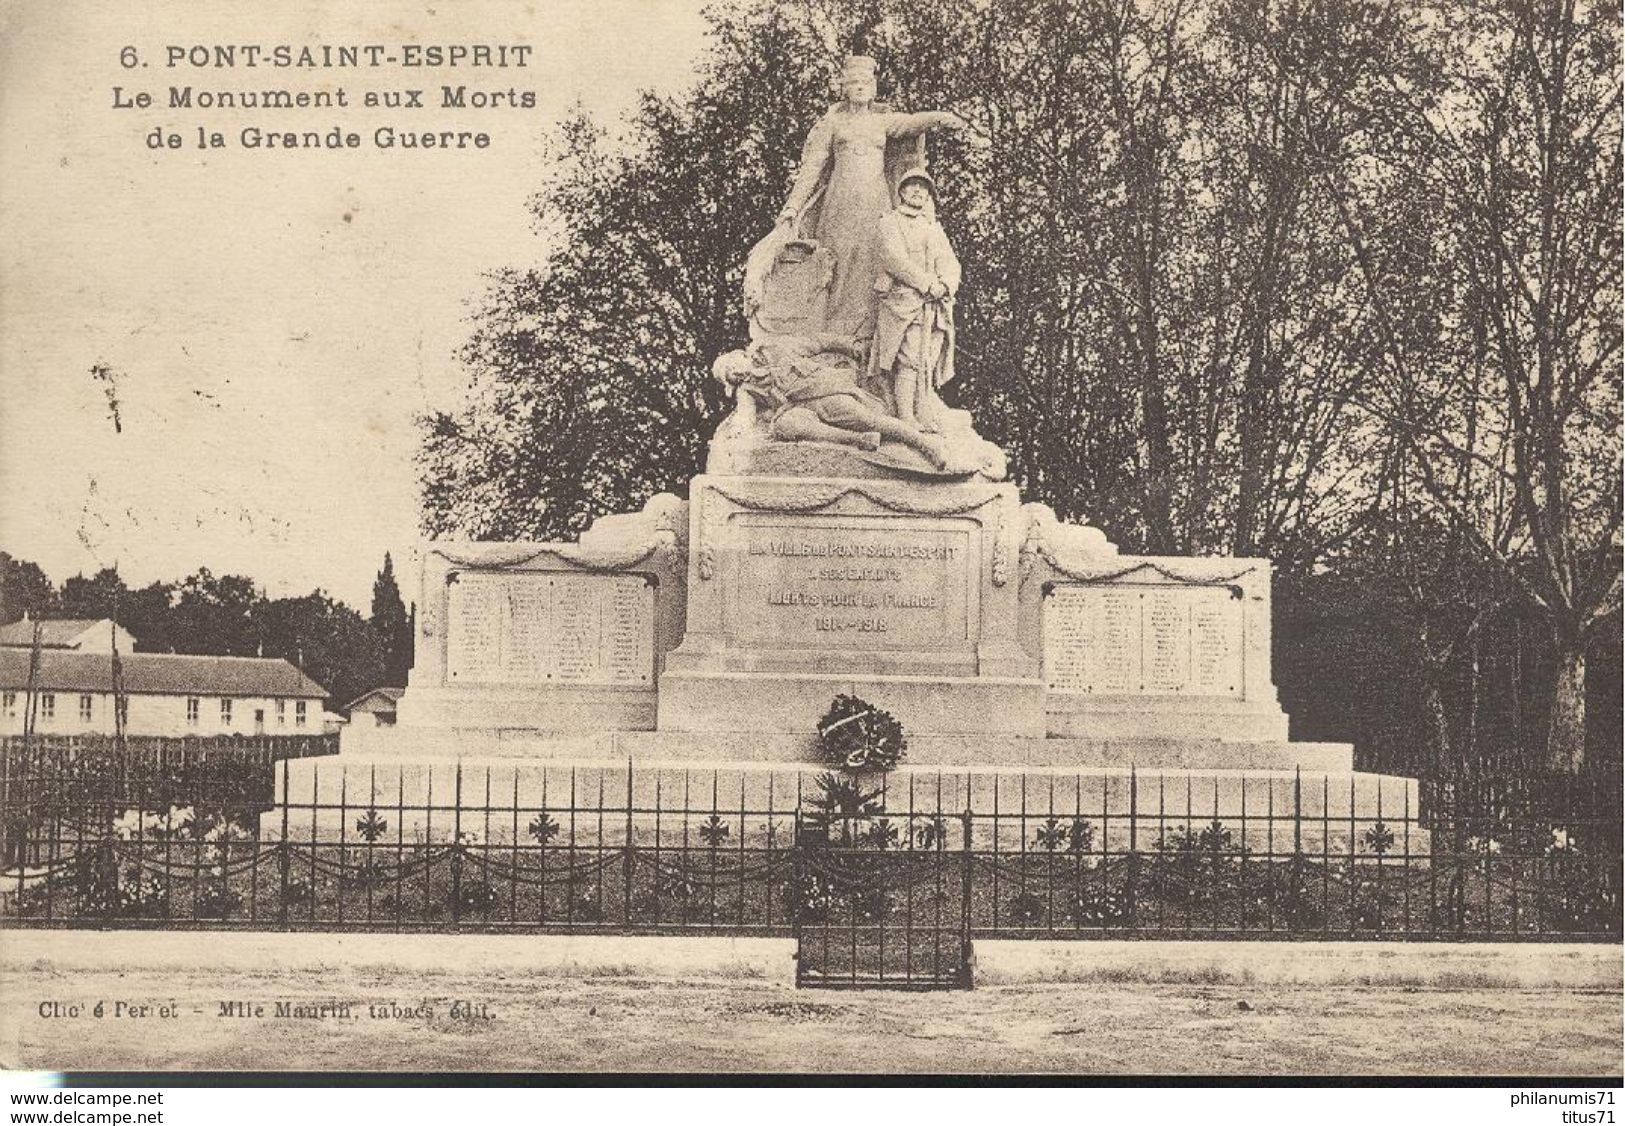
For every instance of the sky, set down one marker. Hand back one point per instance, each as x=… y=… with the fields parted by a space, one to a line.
x=214 y=358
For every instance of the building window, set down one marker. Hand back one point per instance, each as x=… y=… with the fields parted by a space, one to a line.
x=299 y=713
x=10 y=704
x=225 y=712
x=193 y=706
x=87 y=707
x=47 y=705
x=281 y=713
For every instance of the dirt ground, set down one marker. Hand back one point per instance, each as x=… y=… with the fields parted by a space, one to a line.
x=623 y=1019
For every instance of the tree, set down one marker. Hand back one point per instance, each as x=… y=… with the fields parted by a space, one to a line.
x=1334 y=282
x=102 y=595
x=148 y=613
x=215 y=615
x=1155 y=317
x=591 y=386
x=391 y=623
x=24 y=589
x=328 y=641
x=1501 y=340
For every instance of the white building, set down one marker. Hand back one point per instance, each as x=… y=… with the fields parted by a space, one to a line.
x=379 y=704
x=83 y=635
x=72 y=693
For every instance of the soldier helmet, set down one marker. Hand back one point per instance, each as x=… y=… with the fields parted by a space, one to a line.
x=920 y=176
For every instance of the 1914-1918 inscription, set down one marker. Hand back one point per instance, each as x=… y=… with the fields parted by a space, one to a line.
x=550 y=627
x=853 y=582
x=1143 y=639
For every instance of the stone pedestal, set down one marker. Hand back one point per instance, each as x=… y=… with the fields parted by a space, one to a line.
x=547 y=636
x=1147 y=646
x=902 y=592
x=723 y=626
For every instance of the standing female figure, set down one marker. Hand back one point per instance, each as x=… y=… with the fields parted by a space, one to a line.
x=852 y=158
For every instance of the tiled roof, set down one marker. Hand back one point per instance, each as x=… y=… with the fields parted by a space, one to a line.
x=389 y=693
x=55 y=633
x=159 y=674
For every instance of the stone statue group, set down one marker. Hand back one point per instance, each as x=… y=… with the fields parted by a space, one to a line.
x=851 y=299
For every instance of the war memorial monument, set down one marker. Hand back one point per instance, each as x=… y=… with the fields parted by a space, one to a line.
x=852 y=535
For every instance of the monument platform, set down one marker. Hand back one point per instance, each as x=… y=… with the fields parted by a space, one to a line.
x=434 y=798
x=693 y=648
x=386 y=747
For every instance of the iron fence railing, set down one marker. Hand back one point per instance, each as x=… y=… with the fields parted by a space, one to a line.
x=1111 y=854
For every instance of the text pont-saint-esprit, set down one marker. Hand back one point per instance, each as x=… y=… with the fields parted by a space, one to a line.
x=335 y=55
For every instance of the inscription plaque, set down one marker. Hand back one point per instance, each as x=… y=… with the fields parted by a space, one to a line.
x=541 y=627
x=852 y=582
x=1143 y=640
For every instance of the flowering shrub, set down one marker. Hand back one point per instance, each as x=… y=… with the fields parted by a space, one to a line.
x=107 y=886
x=217 y=899
x=220 y=833
x=475 y=897
x=300 y=891
x=1484 y=846
x=1293 y=895
x=1100 y=907
x=1562 y=844
x=1081 y=836
x=1581 y=907
x=815 y=897
x=1026 y=909
x=930 y=832
x=871 y=904
x=676 y=883
x=140 y=892
x=175 y=824
x=369 y=871
x=1212 y=840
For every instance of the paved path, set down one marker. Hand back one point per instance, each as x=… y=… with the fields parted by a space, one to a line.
x=523 y=1004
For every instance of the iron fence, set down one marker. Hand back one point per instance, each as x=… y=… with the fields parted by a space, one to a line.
x=911 y=861
x=873 y=916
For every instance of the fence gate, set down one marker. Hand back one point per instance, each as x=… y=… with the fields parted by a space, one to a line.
x=882 y=903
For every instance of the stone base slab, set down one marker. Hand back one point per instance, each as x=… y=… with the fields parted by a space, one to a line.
x=493 y=801
x=1191 y=717
x=784 y=703
x=949 y=751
